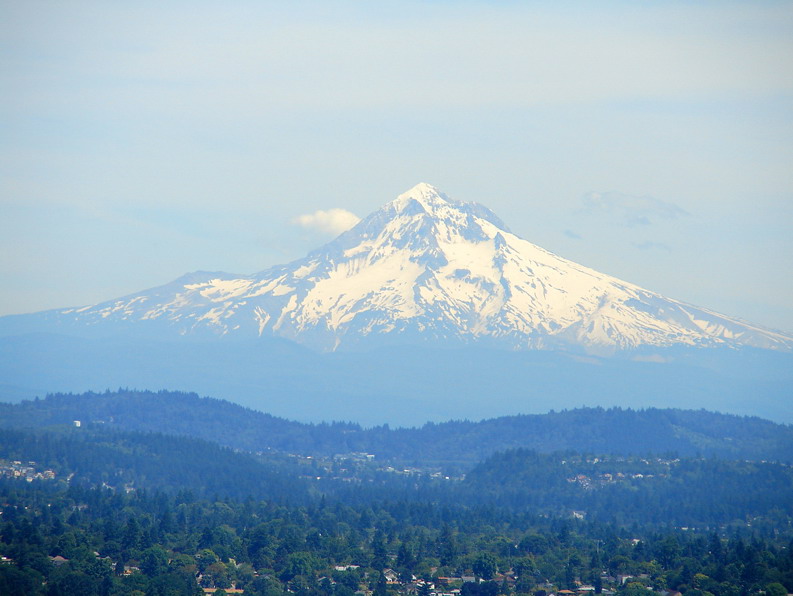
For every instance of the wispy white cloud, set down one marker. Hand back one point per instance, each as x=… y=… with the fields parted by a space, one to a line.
x=649 y=245
x=632 y=210
x=525 y=57
x=331 y=221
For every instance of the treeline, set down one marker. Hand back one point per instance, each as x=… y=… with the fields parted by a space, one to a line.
x=57 y=541
x=454 y=443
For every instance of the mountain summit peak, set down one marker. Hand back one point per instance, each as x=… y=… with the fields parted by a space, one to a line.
x=427 y=200
x=424 y=190
x=424 y=194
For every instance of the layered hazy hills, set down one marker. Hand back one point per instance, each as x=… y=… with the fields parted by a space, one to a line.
x=422 y=269
x=624 y=467
x=462 y=443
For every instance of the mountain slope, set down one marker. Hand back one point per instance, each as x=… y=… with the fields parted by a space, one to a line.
x=423 y=268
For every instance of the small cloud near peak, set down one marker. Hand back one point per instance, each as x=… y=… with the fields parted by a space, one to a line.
x=330 y=221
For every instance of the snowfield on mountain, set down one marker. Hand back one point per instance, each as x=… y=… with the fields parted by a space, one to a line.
x=427 y=269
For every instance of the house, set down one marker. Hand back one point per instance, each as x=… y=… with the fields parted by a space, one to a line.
x=508 y=577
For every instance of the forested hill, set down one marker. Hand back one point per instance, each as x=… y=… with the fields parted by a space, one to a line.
x=120 y=460
x=587 y=430
x=681 y=492
x=96 y=510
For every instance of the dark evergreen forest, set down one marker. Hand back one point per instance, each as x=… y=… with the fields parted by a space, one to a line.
x=127 y=503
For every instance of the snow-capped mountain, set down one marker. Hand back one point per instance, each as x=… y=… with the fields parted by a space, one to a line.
x=423 y=268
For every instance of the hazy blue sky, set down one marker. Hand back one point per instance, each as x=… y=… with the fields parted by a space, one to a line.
x=141 y=140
